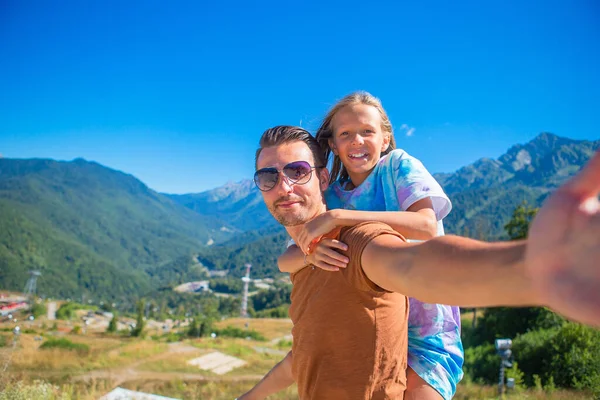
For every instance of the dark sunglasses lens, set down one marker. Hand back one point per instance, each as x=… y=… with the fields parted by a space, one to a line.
x=297 y=170
x=266 y=178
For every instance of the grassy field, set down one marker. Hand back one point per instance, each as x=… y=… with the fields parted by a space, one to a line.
x=271 y=328
x=102 y=362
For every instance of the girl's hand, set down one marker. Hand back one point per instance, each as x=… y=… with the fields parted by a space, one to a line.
x=313 y=230
x=326 y=255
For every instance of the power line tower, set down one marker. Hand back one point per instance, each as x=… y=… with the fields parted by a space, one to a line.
x=31 y=285
x=246 y=280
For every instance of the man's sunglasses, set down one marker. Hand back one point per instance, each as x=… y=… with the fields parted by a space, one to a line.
x=297 y=173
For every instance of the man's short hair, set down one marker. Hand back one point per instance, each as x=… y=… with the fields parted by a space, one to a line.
x=283 y=134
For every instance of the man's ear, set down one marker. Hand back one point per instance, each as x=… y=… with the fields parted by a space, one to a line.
x=323 y=179
x=332 y=146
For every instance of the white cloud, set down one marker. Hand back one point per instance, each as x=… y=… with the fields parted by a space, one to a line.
x=407 y=130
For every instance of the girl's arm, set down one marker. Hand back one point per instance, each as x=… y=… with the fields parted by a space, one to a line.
x=277 y=379
x=292 y=260
x=325 y=256
x=419 y=224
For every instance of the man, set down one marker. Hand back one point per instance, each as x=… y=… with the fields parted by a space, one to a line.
x=350 y=326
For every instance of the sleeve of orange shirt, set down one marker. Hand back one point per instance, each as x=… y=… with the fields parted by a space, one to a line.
x=357 y=237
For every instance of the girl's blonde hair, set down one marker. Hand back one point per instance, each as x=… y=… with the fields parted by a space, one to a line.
x=325 y=131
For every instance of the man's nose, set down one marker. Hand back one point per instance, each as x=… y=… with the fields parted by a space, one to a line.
x=284 y=185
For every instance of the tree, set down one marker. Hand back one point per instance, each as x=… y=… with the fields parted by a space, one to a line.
x=518 y=226
x=194 y=328
x=206 y=326
x=139 y=323
x=112 y=325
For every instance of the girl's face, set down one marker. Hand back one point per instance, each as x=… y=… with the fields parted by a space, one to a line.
x=358 y=140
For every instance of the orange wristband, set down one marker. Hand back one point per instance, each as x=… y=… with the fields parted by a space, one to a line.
x=334 y=234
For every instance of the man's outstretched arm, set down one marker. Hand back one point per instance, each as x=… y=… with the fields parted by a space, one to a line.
x=278 y=378
x=451 y=270
x=558 y=268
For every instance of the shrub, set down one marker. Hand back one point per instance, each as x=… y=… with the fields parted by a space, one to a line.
x=277 y=312
x=67 y=310
x=173 y=337
x=65 y=344
x=576 y=357
x=284 y=344
x=533 y=352
x=482 y=364
x=234 y=332
x=518 y=375
x=35 y=390
x=38 y=309
x=567 y=356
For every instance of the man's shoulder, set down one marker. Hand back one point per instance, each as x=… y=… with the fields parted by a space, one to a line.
x=368 y=228
x=358 y=236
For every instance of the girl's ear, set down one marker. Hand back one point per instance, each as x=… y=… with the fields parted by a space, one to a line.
x=332 y=146
x=386 y=142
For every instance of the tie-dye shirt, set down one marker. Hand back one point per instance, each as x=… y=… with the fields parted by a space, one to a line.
x=435 y=349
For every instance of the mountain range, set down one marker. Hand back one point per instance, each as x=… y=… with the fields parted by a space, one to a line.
x=96 y=231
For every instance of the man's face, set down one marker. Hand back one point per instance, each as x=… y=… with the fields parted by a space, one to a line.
x=293 y=204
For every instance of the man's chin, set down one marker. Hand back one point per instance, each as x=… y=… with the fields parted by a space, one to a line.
x=290 y=220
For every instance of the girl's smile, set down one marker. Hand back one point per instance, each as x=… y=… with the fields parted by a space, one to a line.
x=358 y=140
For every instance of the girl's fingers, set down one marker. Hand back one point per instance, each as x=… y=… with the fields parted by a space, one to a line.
x=332 y=257
x=332 y=263
x=333 y=243
x=326 y=267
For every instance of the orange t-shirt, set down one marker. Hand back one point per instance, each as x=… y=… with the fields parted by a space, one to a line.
x=350 y=336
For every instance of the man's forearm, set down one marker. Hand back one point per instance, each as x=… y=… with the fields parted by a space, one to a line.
x=278 y=378
x=451 y=270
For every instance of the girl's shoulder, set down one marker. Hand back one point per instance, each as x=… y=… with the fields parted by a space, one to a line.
x=397 y=155
x=399 y=158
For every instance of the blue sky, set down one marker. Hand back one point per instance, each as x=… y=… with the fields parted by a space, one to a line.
x=178 y=93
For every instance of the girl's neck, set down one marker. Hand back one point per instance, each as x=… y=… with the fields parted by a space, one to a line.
x=355 y=181
x=349 y=185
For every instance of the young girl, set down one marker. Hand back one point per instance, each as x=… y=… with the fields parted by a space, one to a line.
x=371 y=180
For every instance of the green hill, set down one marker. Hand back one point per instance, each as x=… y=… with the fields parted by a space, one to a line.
x=90 y=229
